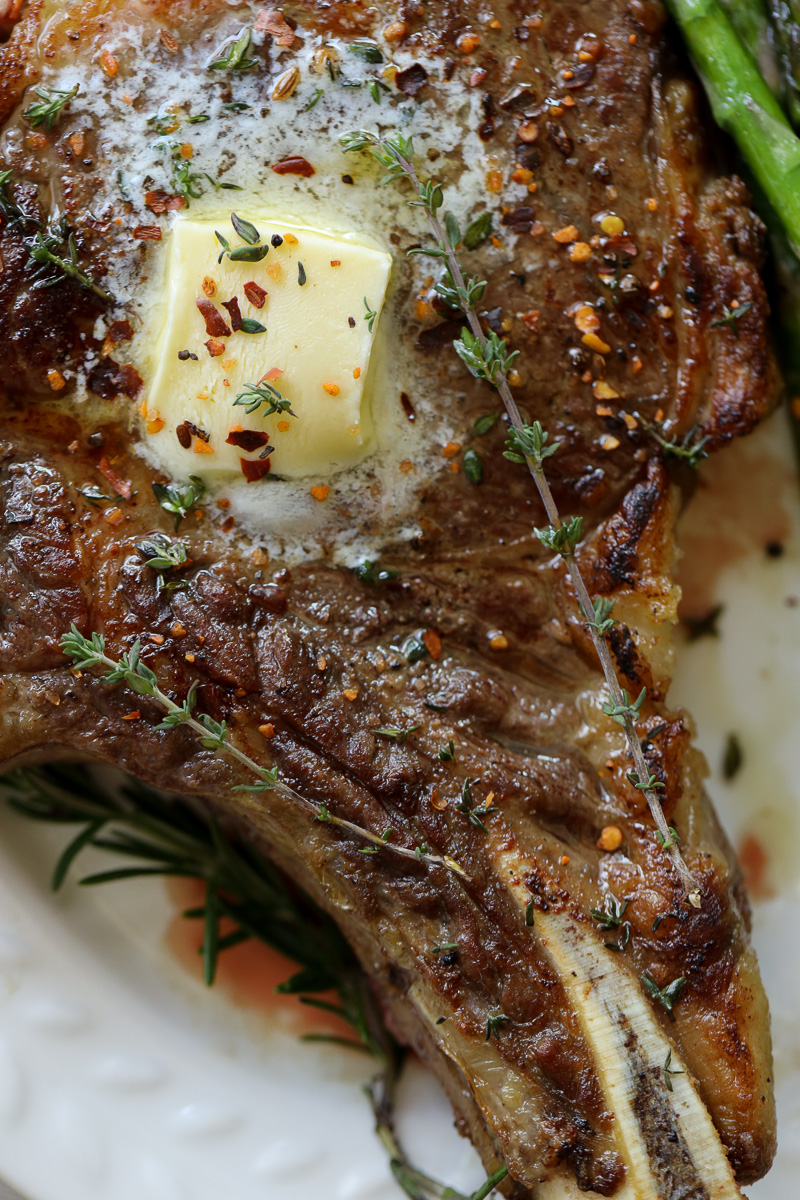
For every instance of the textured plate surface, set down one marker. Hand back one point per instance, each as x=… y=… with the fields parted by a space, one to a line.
x=121 y=1077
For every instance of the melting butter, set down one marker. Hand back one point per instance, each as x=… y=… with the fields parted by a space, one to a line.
x=309 y=329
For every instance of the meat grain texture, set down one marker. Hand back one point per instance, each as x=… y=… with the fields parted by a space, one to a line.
x=312 y=649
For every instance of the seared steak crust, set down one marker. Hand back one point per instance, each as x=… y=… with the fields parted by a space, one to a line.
x=510 y=675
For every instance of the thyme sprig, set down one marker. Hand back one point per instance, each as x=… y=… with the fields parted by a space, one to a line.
x=52 y=102
x=161 y=554
x=160 y=837
x=179 y=499
x=54 y=252
x=667 y=996
x=689 y=449
x=90 y=653
x=256 y=394
x=487 y=357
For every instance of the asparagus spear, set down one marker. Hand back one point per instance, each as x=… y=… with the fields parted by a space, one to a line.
x=744 y=106
x=785 y=16
x=751 y=22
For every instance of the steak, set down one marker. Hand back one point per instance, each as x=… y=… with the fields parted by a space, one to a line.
x=551 y=1048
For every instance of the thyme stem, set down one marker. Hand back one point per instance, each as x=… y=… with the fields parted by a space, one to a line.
x=214 y=736
x=535 y=465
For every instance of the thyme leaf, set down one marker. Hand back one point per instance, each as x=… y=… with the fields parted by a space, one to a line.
x=232 y=54
x=667 y=996
x=179 y=499
x=52 y=102
x=256 y=394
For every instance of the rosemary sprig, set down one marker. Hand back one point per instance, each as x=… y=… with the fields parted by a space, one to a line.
x=89 y=654
x=171 y=838
x=487 y=357
x=52 y=103
x=256 y=394
x=55 y=253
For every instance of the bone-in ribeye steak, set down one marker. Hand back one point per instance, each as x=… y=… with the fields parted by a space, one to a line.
x=616 y=327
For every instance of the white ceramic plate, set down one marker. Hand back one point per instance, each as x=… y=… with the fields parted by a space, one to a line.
x=122 y=1077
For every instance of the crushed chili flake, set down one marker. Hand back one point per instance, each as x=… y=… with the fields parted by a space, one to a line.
x=395 y=31
x=216 y=325
x=120 y=486
x=267 y=730
x=610 y=838
x=284 y=426
x=568 y=233
x=498 y=641
x=201 y=447
x=157 y=638
x=321 y=663
x=531 y=320
x=564 y=860
x=215 y=348
x=255 y=294
x=494 y=181
x=321 y=491
x=405 y=466
x=119 y=331
x=275 y=24
x=528 y=132
x=332 y=389
x=350 y=693
x=467 y=43
x=580 y=252
x=190 y=658
x=234 y=312
x=610 y=443
x=272 y=374
x=451 y=449
x=595 y=343
x=177 y=629
x=438 y=801
x=168 y=40
x=433 y=643
x=161 y=202
x=604 y=391
x=147 y=233
x=133 y=716
x=247 y=439
x=113 y=516
x=108 y=63
x=356 y=372
x=56 y=380
x=228 y=524
x=209 y=286
x=254 y=469
x=294 y=165
x=77 y=142
x=156 y=425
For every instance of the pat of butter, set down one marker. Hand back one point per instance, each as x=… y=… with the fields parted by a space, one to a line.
x=309 y=293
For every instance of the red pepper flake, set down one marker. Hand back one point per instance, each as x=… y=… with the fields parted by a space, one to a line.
x=274 y=23
x=168 y=40
x=272 y=374
x=247 y=439
x=531 y=320
x=133 y=716
x=119 y=485
x=255 y=294
x=161 y=202
x=214 y=347
x=108 y=63
x=267 y=730
x=119 y=331
x=147 y=233
x=228 y=524
x=216 y=326
x=235 y=313
x=433 y=643
x=254 y=469
x=294 y=165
